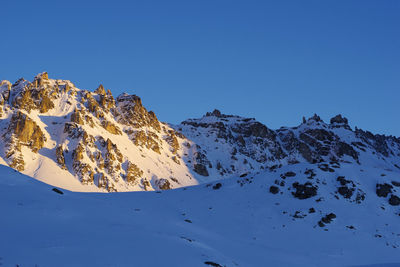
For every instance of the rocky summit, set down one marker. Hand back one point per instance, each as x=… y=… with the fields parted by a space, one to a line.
x=89 y=140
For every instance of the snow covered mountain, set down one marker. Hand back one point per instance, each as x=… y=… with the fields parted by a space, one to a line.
x=318 y=194
x=89 y=141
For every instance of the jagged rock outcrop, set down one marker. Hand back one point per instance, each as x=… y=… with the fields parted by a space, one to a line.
x=110 y=127
x=147 y=139
x=77 y=117
x=172 y=140
x=304 y=191
x=130 y=111
x=338 y=121
x=163 y=184
x=83 y=170
x=26 y=131
x=100 y=90
x=133 y=173
x=38 y=95
x=60 y=157
x=313 y=141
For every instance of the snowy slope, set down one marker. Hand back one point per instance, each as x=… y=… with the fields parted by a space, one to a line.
x=236 y=222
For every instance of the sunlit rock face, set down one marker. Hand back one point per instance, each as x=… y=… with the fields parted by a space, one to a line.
x=90 y=141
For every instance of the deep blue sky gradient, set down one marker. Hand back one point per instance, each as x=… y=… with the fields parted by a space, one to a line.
x=273 y=60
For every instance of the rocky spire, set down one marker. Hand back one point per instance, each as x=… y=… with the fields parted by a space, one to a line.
x=338 y=119
x=314 y=118
x=215 y=113
x=100 y=90
x=44 y=75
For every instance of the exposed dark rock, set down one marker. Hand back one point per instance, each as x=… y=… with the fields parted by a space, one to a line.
x=215 y=113
x=290 y=174
x=306 y=152
x=383 y=190
x=360 y=196
x=214 y=264
x=60 y=157
x=328 y=218
x=299 y=215
x=200 y=169
x=315 y=118
x=163 y=184
x=346 y=149
x=377 y=141
x=325 y=167
x=343 y=181
x=58 y=191
x=310 y=172
x=345 y=191
x=274 y=189
x=397 y=184
x=304 y=191
x=217 y=186
x=394 y=200
x=338 y=119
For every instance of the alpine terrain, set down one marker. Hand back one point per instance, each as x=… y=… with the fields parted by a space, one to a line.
x=317 y=194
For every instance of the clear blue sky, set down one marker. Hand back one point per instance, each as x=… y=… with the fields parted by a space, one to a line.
x=273 y=60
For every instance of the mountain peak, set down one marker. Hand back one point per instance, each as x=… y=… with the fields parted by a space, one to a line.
x=339 y=120
x=215 y=113
x=43 y=75
x=314 y=118
x=100 y=90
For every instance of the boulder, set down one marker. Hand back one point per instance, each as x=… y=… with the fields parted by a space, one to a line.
x=274 y=189
x=304 y=191
x=163 y=184
x=200 y=169
x=394 y=200
x=383 y=190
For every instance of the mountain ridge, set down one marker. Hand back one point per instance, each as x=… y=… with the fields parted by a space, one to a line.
x=92 y=141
